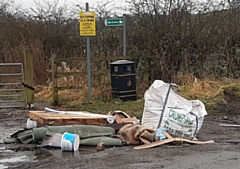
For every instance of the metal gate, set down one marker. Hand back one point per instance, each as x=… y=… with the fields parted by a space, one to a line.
x=11 y=88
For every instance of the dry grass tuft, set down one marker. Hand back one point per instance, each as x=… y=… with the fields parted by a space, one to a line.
x=43 y=92
x=211 y=92
x=204 y=88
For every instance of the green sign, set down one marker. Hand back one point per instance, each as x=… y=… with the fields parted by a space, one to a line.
x=114 y=22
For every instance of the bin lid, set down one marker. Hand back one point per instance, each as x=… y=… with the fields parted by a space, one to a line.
x=118 y=62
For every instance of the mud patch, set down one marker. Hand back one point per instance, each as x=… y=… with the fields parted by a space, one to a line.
x=232 y=106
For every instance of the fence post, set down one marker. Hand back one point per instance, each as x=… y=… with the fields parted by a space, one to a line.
x=146 y=71
x=28 y=80
x=54 y=81
x=101 y=67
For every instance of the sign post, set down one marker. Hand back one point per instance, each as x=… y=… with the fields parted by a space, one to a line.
x=119 y=22
x=114 y=22
x=88 y=28
x=124 y=36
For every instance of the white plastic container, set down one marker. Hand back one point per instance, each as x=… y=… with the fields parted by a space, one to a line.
x=70 y=142
x=31 y=124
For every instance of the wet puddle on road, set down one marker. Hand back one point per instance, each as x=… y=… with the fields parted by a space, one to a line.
x=13 y=156
x=10 y=156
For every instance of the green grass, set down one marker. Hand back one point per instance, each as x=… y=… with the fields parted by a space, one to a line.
x=211 y=93
x=132 y=108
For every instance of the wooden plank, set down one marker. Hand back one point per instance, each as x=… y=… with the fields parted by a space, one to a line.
x=28 y=72
x=170 y=140
x=54 y=80
x=194 y=141
x=67 y=87
x=64 y=74
x=64 y=119
x=154 y=144
x=167 y=134
x=72 y=59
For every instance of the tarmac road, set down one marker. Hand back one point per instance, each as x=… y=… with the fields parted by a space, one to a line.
x=224 y=153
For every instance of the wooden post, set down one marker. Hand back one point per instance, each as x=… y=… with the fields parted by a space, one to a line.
x=28 y=80
x=101 y=67
x=54 y=81
x=146 y=71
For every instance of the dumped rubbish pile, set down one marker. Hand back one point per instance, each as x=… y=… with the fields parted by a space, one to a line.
x=167 y=118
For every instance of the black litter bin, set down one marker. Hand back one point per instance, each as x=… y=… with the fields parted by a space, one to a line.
x=123 y=80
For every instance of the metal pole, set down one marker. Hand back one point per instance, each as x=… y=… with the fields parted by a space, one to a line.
x=88 y=62
x=124 y=35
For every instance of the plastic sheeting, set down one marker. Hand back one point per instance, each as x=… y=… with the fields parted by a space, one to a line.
x=108 y=141
x=176 y=114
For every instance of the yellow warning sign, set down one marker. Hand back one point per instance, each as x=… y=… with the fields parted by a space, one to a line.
x=87 y=23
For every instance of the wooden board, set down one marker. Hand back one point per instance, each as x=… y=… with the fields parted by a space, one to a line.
x=167 y=134
x=52 y=119
x=154 y=144
x=170 y=139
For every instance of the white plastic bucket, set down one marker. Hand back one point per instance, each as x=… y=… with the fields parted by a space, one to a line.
x=70 y=142
x=31 y=124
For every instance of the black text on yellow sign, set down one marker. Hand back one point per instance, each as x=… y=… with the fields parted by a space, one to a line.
x=87 y=23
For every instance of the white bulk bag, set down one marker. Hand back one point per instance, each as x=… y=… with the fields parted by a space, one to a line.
x=180 y=116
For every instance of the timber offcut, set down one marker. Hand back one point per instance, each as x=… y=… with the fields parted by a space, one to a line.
x=52 y=119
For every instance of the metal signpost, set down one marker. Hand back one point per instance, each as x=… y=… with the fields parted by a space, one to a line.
x=88 y=28
x=119 y=22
